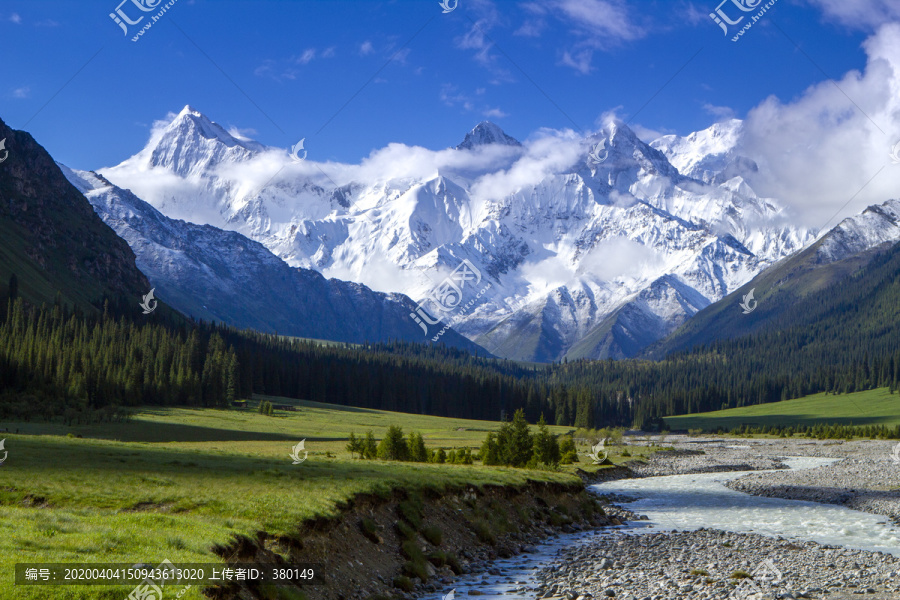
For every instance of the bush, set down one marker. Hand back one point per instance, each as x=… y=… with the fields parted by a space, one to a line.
x=484 y=533
x=433 y=534
x=569 y=458
x=411 y=511
x=370 y=529
x=406 y=531
x=439 y=558
x=402 y=582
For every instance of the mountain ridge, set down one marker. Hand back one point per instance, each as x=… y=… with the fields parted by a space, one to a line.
x=566 y=241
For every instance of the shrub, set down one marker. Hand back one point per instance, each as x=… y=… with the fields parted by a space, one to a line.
x=370 y=529
x=439 y=558
x=433 y=534
x=484 y=533
x=402 y=582
x=411 y=511
x=406 y=532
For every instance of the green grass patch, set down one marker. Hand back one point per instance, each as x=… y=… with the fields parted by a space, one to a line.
x=872 y=407
x=174 y=482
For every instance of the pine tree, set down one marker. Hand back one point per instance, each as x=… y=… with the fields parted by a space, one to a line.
x=393 y=446
x=546 y=447
x=369 y=447
x=417 y=450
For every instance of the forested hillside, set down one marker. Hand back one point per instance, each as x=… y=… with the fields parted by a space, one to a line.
x=839 y=340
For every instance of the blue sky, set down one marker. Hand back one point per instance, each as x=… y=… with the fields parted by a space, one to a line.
x=353 y=76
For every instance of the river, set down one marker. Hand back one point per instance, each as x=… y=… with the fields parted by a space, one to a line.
x=689 y=502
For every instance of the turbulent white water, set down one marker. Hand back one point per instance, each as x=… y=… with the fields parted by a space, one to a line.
x=687 y=502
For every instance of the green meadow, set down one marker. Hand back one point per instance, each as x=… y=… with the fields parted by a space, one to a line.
x=172 y=482
x=871 y=407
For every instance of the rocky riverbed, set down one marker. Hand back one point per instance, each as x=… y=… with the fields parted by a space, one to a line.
x=646 y=564
x=707 y=564
x=714 y=564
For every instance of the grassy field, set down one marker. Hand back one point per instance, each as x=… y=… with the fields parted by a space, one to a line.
x=173 y=482
x=873 y=407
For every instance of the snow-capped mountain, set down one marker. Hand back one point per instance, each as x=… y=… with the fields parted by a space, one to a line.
x=876 y=225
x=486 y=133
x=579 y=247
x=844 y=256
x=222 y=276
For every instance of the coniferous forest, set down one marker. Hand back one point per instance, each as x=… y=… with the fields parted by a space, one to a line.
x=55 y=362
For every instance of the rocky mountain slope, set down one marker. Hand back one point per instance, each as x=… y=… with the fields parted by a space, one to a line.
x=219 y=275
x=51 y=238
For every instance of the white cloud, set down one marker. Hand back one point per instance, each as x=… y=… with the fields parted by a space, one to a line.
x=494 y=113
x=721 y=113
x=580 y=62
x=619 y=258
x=22 y=92
x=859 y=14
x=308 y=55
x=366 y=48
x=242 y=134
x=594 y=24
x=15 y=18
x=819 y=150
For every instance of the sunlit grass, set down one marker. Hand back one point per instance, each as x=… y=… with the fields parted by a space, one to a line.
x=872 y=407
x=173 y=482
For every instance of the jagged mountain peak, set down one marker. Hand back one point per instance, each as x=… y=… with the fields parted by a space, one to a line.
x=486 y=133
x=191 y=144
x=710 y=155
